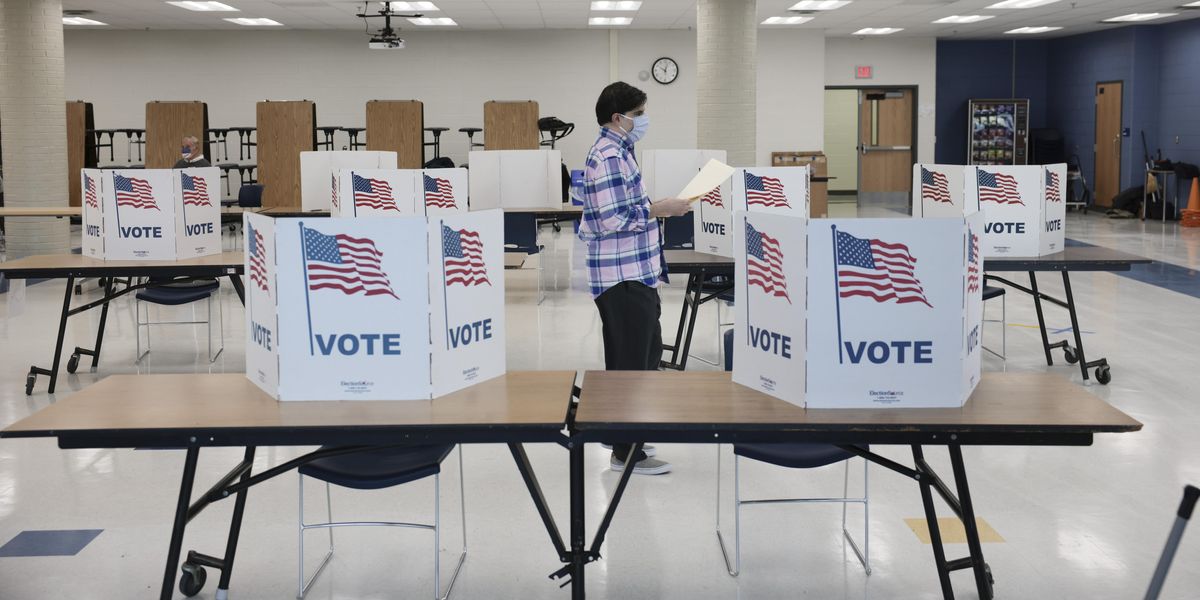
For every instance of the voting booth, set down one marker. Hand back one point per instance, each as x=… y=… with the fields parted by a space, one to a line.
x=151 y=214
x=667 y=172
x=516 y=179
x=858 y=313
x=1022 y=205
x=404 y=308
x=319 y=171
x=774 y=190
x=398 y=192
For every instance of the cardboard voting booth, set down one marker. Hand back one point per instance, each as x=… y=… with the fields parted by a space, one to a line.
x=1022 y=205
x=405 y=308
x=775 y=190
x=859 y=313
x=319 y=172
x=666 y=172
x=516 y=179
x=399 y=192
x=151 y=214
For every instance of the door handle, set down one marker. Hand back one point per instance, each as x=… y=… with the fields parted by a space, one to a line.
x=866 y=149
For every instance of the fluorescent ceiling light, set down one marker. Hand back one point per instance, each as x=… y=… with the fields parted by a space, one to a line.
x=257 y=22
x=628 y=5
x=963 y=19
x=433 y=22
x=1022 y=3
x=878 y=30
x=410 y=6
x=80 y=21
x=1134 y=17
x=204 y=6
x=1021 y=30
x=609 y=21
x=819 y=4
x=1191 y=5
x=786 y=20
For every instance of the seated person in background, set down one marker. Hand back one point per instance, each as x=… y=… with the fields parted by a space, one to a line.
x=192 y=154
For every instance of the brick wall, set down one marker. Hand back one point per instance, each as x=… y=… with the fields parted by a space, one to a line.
x=726 y=78
x=33 y=122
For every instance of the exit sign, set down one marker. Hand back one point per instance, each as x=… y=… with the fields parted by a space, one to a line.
x=862 y=72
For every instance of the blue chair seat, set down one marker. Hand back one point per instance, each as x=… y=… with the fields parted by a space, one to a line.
x=180 y=293
x=378 y=469
x=793 y=455
x=991 y=291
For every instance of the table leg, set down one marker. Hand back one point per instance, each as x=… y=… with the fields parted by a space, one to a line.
x=578 y=534
x=239 y=287
x=1037 y=305
x=1102 y=371
x=180 y=523
x=694 y=287
x=52 y=372
x=235 y=529
x=73 y=363
x=982 y=573
x=935 y=534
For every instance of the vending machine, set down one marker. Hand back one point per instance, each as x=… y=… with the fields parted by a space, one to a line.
x=998 y=132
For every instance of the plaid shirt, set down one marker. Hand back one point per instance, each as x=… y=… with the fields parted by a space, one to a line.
x=622 y=239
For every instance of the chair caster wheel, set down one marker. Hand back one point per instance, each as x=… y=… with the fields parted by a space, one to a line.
x=1103 y=375
x=191 y=581
x=30 y=379
x=73 y=363
x=1069 y=355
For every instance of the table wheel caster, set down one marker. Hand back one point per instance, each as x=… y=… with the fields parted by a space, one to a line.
x=191 y=580
x=73 y=363
x=1069 y=355
x=1103 y=375
x=991 y=581
x=30 y=379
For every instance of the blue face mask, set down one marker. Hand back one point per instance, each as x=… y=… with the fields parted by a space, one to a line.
x=185 y=151
x=640 y=124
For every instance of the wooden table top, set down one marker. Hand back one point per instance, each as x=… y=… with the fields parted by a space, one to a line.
x=78 y=265
x=228 y=403
x=708 y=400
x=40 y=211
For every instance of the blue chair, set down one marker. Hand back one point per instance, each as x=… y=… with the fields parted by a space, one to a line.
x=250 y=195
x=678 y=232
x=170 y=293
x=520 y=235
x=991 y=293
x=378 y=469
x=791 y=456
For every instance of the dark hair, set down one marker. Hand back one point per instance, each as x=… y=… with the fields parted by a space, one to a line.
x=619 y=97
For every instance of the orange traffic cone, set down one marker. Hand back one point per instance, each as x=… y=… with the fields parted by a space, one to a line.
x=1191 y=214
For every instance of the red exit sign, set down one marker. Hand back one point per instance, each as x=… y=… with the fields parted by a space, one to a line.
x=863 y=72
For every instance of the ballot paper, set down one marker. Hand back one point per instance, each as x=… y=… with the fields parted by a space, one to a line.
x=712 y=175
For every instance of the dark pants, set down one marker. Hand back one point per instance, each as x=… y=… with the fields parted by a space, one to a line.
x=629 y=312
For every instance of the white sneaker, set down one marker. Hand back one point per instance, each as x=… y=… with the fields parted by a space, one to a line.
x=649 y=466
x=649 y=450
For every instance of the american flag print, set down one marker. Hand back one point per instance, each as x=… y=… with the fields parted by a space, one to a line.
x=257 y=251
x=973 y=263
x=998 y=188
x=345 y=263
x=89 y=192
x=463 y=252
x=878 y=270
x=935 y=186
x=713 y=197
x=1052 y=188
x=764 y=191
x=438 y=192
x=764 y=263
x=133 y=192
x=195 y=190
x=373 y=193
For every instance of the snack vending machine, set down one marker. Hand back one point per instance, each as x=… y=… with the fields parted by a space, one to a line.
x=999 y=131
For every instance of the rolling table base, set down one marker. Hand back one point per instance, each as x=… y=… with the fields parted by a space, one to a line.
x=94 y=352
x=693 y=298
x=1072 y=354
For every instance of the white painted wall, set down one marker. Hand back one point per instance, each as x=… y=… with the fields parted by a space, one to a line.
x=791 y=92
x=897 y=61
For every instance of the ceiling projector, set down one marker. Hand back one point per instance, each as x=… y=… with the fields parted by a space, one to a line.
x=386 y=44
x=385 y=38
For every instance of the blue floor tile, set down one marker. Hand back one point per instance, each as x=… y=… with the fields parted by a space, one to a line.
x=65 y=542
x=1164 y=275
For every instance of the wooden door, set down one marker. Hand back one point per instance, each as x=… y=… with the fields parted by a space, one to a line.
x=885 y=139
x=1108 y=141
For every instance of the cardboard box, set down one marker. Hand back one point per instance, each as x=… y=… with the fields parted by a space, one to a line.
x=859 y=313
x=1023 y=205
x=665 y=173
x=404 y=308
x=516 y=179
x=399 y=192
x=151 y=214
x=319 y=172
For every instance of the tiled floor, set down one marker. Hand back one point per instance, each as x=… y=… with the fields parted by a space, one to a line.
x=1076 y=522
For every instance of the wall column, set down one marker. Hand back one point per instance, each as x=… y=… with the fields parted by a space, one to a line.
x=727 y=78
